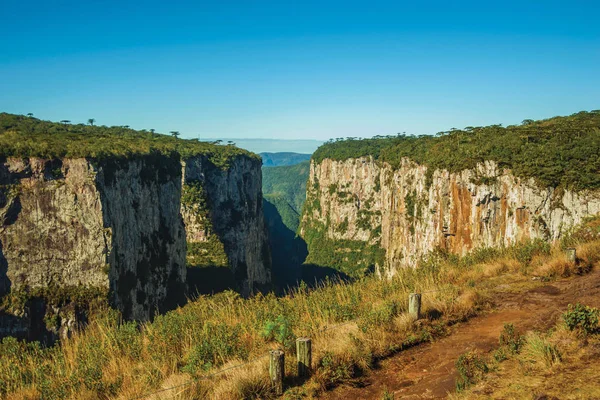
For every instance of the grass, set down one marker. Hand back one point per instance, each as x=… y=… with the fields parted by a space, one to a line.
x=351 y=326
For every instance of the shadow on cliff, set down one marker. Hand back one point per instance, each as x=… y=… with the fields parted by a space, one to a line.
x=289 y=252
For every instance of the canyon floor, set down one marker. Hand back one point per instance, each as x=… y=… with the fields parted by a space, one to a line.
x=428 y=371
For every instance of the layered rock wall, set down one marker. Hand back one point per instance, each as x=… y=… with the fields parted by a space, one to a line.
x=410 y=211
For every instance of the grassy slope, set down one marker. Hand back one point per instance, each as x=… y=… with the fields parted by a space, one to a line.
x=22 y=136
x=560 y=151
x=110 y=359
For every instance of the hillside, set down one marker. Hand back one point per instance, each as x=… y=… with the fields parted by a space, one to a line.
x=283 y=159
x=217 y=346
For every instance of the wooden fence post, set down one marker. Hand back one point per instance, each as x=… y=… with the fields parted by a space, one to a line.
x=414 y=305
x=276 y=370
x=571 y=255
x=304 y=353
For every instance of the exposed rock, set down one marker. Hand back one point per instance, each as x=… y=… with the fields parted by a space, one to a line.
x=408 y=212
x=113 y=225
x=225 y=214
x=114 y=229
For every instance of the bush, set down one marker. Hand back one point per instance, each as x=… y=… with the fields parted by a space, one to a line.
x=582 y=318
x=217 y=343
x=471 y=368
x=510 y=339
x=280 y=330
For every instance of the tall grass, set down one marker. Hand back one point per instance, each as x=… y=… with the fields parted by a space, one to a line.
x=115 y=359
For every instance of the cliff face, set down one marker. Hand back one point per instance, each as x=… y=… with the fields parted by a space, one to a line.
x=119 y=230
x=71 y=227
x=223 y=214
x=373 y=215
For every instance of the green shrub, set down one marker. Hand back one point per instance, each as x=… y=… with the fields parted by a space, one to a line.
x=471 y=368
x=280 y=331
x=582 y=318
x=510 y=339
x=333 y=369
x=500 y=354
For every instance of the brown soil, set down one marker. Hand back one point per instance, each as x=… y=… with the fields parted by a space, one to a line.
x=428 y=372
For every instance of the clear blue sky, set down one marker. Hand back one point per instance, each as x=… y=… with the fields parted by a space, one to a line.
x=299 y=70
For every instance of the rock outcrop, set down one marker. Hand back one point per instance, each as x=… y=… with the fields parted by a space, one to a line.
x=119 y=230
x=223 y=213
x=389 y=218
x=114 y=226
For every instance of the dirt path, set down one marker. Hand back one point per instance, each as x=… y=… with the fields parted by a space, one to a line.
x=428 y=372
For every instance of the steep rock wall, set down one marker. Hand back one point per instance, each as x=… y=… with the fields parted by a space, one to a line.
x=223 y=214
x=369 y=214
x=112 y=226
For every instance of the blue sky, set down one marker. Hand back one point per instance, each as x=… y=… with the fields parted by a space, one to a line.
x=299 y=70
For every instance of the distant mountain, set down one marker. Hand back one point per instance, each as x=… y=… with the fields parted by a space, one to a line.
x=283 y=159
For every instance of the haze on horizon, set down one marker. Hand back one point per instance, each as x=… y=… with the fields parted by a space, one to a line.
x=299 y=71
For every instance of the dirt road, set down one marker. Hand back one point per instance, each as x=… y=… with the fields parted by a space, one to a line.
x=428 y=372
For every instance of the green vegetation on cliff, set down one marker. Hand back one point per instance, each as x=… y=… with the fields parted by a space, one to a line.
x=288 y=182
x=559 y=151
x=284 y=190
x=22 y=136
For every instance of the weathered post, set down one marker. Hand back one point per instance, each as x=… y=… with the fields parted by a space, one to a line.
x=414 y=305
x=276 y=370
x=304 y=353
x=571 y=255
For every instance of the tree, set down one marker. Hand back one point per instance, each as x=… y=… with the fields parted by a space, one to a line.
x=152 y=131
x=65 y=121
x=91 y=121
x=175 y=134
x=30 y=115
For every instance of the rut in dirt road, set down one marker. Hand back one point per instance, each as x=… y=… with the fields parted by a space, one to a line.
x=428 y=372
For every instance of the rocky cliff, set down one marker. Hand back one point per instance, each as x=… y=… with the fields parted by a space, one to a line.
x=361 y=213
x=223 y=213
x=117 y=231
x=72 y=228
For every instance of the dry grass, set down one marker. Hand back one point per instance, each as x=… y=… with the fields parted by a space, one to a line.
x=558 y=364
x=114 y=360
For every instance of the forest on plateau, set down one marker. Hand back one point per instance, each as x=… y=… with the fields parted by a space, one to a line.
x=556 y=152
x=26 y=136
